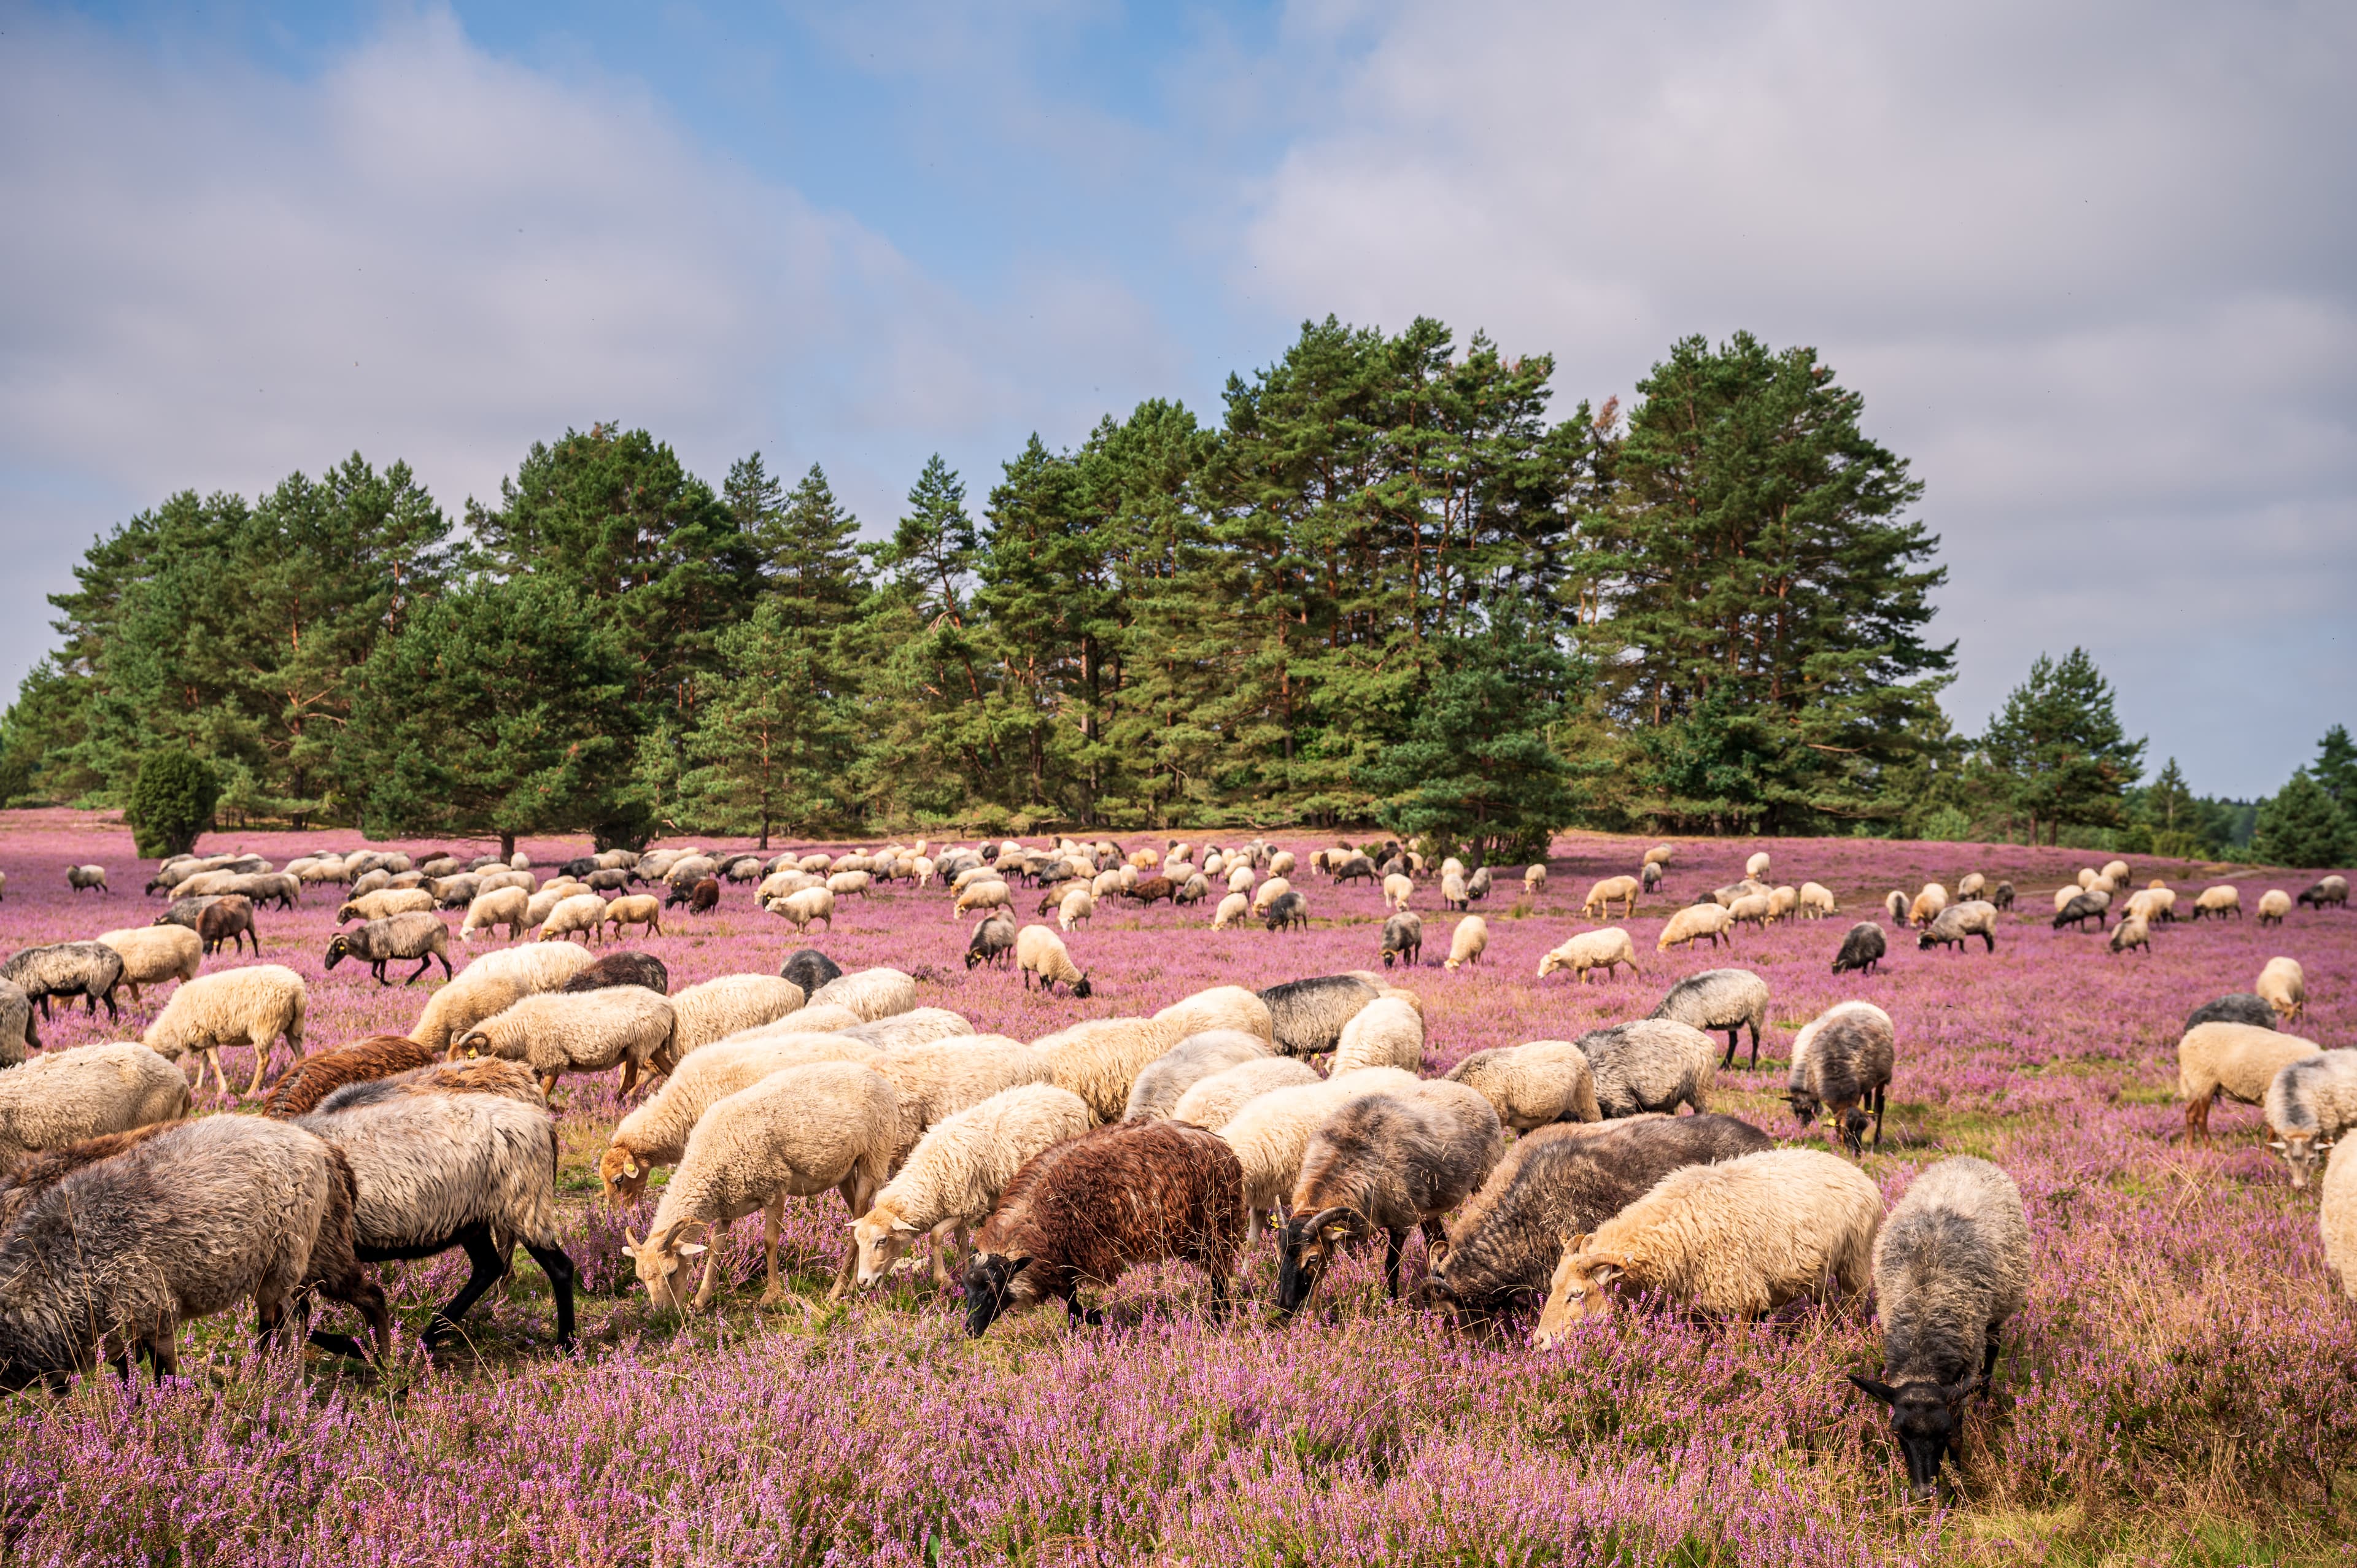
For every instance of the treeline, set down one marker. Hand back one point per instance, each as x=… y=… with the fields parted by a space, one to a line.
x=1385 y=587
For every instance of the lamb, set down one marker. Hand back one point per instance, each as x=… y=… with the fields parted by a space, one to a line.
x=501 y=906
x=437 y=1171
x=1951 y=1266
x=63 y=1097
x=2309 y=1104
x=872 y=994
x=557 y=1033
x=1715 y=999
x=641 y=910
x=1386 y=1032
x=252 y=1006
x=1742 y=1237
x=313 y=1079
x=2239 y=1007
x=993 y=940
x=1078 y=906
x=959 y=1169
x=2220 y=901
x=1693 y=923
x=1927 y=905
x=1164 y=1080
x=384 y=904
x=378 y=942
x=655 y=1132
x=1270 y=1131
x=2326 y=892
x=84 y=878
x=986 y=895
x=17 y=1035
x=1233 y=907
x=1532 y=1085
x=2085 y=907
x=1598 y=904
x=1288 y=911
x=794 y=1134
x=1861 y=949
x=112 y=1257
x=1467 y=942
x=1391 y=1161
x=1561 y=1181
x=810 y=969
x=152 y=955
x=88 y=970
x=1213 y=1102
x=2284 y=986
x=2234 y=1060
x=1841 y=1064
x=728 y=1004
x=1606 y=950
x=1956 y=924
x=575 y=912
x=1652 y=1063
x=2132 y=932
x=1403 y=938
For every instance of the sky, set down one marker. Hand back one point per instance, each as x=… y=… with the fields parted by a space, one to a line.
x=2091 y=267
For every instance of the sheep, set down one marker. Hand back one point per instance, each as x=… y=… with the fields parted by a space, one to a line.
x=986 y=895
x=936 y=1081
x=993 y=940
x=1232 y=909
x=252 y=1006
x=1894 y=904
x=1725 y=897
x=84 y=878
x=779 y=884
x=361 y=883
x=1951 y=1266
x=501 y=906
x=2152 y=905
x=641 y=910
x=1357 y=868
x=1078 y=906
x=88 y=970
x=1972 y=885
x=227 y=920
x=152 y=955
x=1752 y=909
x=2274 y=905
x=1268 y=893
x=1956 y=924
x=1841 y=1065
x=872 y=994
x=2336 y=1217
x=728 y=1004
x=1741 y=1236
x=1561 y=1181
x=1453 y=892
x=2085 y=907
x=387 y=902
x=1397 y=891
x=812 y=905
x=794 y=1134
x=1085 y=1210
x=2088 y=877
x=1691 y=924
x=437 y=1171
x=1598 y=904
x=1270 y=1131
x=2232 y=1061
x=556 y=1033
x=1534 y=879
x=2328 y=892
x=655 y=1132
x=1403 y=938
x=1100 y=1059
x=1467 y=942
x=1861 y=949
x=1652 y=1063
x=810 y=969
x=2065 y=895
x=1477 y=886
x=1392 y=1161
x=842 y=883
x=1927 y=905
x=917 y=1027
x=17 y=1035
x=1651 y=875
x=314 y=1078
x=1105 y=885
x=1306 y=1016
x=378 y=942
x=282 y=889
x=1726 y=999
x=1287 y=912
x=624 y=968
x=63 y=1097
x=584 y=913
x=2309 y=1104
x=2003 y=897
x=1219 y=1007
x=2131 y=933
x=114 y=1254
x=1212 y=1102
x=1386 y=1032
x=1606 y=950
x=2220 y=901
x=1280 y=863
x=955 y=1177
x=1532 y=1085
x=1163 y=1081
x=2284 y=986
x=2239 y=1007
x=1815 y=901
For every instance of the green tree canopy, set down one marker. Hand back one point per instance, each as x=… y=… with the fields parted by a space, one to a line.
x=2301 y=826
x=2060 y=748
x=172 y=802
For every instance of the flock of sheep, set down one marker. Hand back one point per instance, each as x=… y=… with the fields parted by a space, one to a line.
x=1550 y=1178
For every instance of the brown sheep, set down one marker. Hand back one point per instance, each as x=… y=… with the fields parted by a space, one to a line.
x=314 y=1078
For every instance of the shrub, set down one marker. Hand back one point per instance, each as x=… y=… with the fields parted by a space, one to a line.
x=172 y=801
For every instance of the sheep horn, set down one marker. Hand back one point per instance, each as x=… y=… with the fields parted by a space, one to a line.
x=1336 y=1215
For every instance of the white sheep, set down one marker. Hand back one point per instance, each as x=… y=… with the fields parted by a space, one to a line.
x=501 y=906
x=1219 y=1007
x=1751 y=910
x=253 y=1006
x=554 y=1033
x=1040 y=952
x=728 y=1004
x=952 y=1179
x=1692 y=923
x=934 y=1082
x=2283 y=984
x=1386 y=1033
x=2062 y=895
x=2237 y=1061
x=153 y=954
x=917 y=1027
x=578 y=912
x=1467 y=942
x=803 y=909
x=872 y=994
x=1233 y=907
x=2221 y=901
x=654 y=1133
x=1817 y=901
x=1212 y=1102
x=1606 y=950
x=63 y=1097
x=1927 y=905
x=992 y=894
x=1100 y=1059
x=1757 y=865
x=1268 y=893
x=2337 y=1215
x=1078 y=906
x=534 y=966
x=1241 y=879
x=1532 y=1085
x=1534 y=879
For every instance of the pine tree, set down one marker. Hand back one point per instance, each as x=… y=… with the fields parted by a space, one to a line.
x=767 y=739
x=2336 y=767
x=2168 y=803
x=2301 y=826
x=2059 y=745
x=810 y=555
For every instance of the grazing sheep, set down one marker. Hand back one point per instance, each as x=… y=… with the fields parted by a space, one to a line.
x=1651 y=875
x=654 y=1133
x=384 y=904
x=1163 y=1081
x=1957 y=924
x=627 y=967
x=1693 y=923
x=1403 y=938
x=1467 y=942
x=2239 y=1007
x=1477 y=886
x=1306 y=1016
x=993 y=940
x=1972 y=885
x=2309 y=1104
x=152 y=955
x=641 y=910
x=1100 y=1059
x=2284 y=986
x=1660 y=854
x=872 y=994
x=1725 y=897
x=1652 y=1063
x=1739 y=1238
x=582 y=913
x=1076 y=907
x=990 y=894
x=1861 y=949
x=810 y=969
x=312 y=1079
x=2088 y=906
x=17 y=1035
x=2232 y=1061
x=113 y=1255
x=1270 y=1131
x=1288 y=911
x=2065 y=895
x=1212 y=1102
x=1233 y=907
x=1815 y=901
x=88 y=970
x=1757 y=865
x=933 y=1081
x=494 y=881
x=1268 y=893
x=1927 y=905
x=1598 y=904
x=1841 y=1065
x=1453 y=893
x=1562 y=1181
x=1532 y=1085
x=1751 y=910
x=66 y=1096
x=2274 y=905
x=957 y=1173
x=501 y=906
x=794 y=1134
x=1535 y=880
x=1894 y=904
x=2003 y=897
x=2132 y=932
x=1606 y=950
x=2328 y=892
x=2221 y=901
x=554 y=1033
x=1726 y=999
x=2337 y=1217
x=1393 y=1161
x=1386 y=1032
x=420 y=936
x=1397 y=891
x=253 y=1006
x=437 y=1171
x=1088 y=1208
x=228 y=919
x=728 y=1004
x=1219 y=1007
x=84 y=878
x=801 y=910
x=1951 y=1266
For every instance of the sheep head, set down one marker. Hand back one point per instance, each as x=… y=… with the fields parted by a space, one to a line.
x=883 y=1236
x=1926 y=1416
x=2300 y=1152
x=662 y=1262
x=622 y=1173
x=1305 y=1248
x=1580 y=1290
x=338 y=948
x=990 y=1284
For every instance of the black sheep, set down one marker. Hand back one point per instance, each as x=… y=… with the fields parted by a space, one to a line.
x=810 y=969
x=1861 y=949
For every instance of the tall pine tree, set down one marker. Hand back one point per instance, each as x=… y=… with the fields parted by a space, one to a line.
x=2060 y=748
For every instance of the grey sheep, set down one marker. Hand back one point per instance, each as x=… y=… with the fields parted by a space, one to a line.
x=1477 y=886
x=810 y=969
x=2329 y=892
x=992 y=941
x=2085 y=907
x=2002 y=896
x=1951 y=1265
x=88 y=970
x=2309 y=1105
x=2238 y=1007
x=1841 y=1066
x=17 y=1035
x=1861 y=949
x=399 y=937
x=1306 y=1015
x=1956 y=924
x=1654 y=1064
x=84 y=878
x=1288 y=911
x=1717 y=999
x=1403 y=938
x=1160 y=1083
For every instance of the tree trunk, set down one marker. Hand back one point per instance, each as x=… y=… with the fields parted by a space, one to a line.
x=507 y=846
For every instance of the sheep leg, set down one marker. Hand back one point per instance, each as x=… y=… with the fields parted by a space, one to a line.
x=773 y=1215
x=1755 y=1044
x=1988 y=1358
x=262 y=1051
x=629 y=1078
x=1392 y=1242
x=490 y=1266
x=1880 y=1089
x=163 y=1352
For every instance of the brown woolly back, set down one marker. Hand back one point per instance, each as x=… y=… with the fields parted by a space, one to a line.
x=315 y=1077
x=1133 y=1192
x=36 y=1173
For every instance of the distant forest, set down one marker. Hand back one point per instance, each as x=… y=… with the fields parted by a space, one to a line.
x=1384 y=588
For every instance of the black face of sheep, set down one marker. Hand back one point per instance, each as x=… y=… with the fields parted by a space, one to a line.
x=1303 y=1249
x=989 y=1282
x=1926 y=1418
x=1080 y=987
x=810 y=969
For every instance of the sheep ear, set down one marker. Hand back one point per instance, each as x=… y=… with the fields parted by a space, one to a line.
x=630 y=1166
x=1954 y=1391
x=903 y=1226
x=1882 y=1391
x=2277 y=1143
x=690 y=1249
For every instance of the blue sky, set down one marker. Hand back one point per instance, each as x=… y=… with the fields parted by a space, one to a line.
x=2089 y=266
